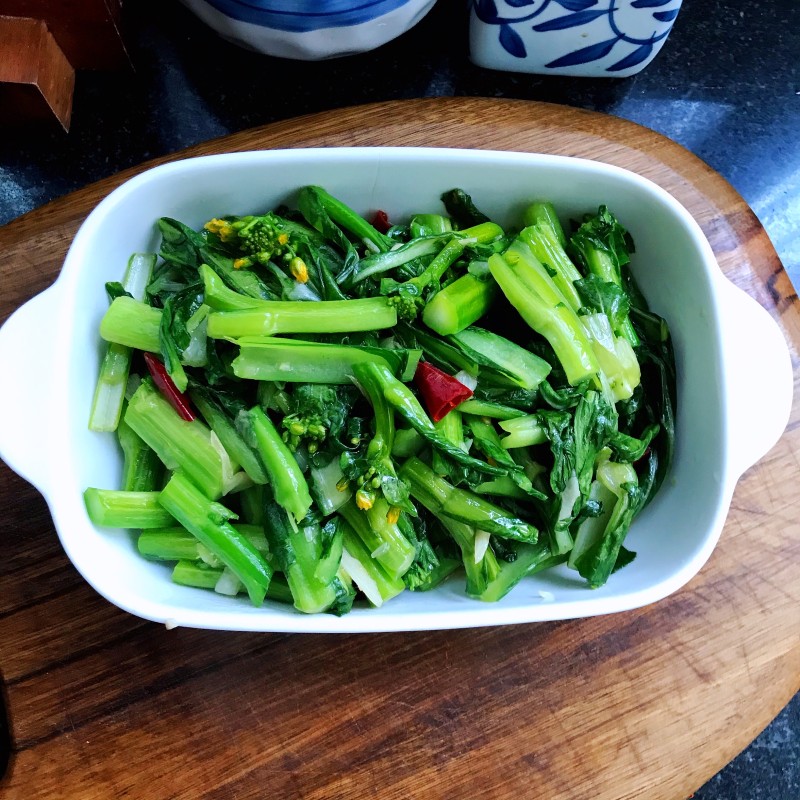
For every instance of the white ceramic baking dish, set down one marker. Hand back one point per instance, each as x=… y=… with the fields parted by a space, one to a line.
x=734 y=375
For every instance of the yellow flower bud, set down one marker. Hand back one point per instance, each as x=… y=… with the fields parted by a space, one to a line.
x=364 y=500
x=393 y=515
x=299 y=269
x=214 y=225
x=221 y=227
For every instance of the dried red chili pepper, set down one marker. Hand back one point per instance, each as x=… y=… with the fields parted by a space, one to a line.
x=167 y=387
x=440 y=391
x=381 y=222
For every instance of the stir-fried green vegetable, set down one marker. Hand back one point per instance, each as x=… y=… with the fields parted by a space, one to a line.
x=313 y=407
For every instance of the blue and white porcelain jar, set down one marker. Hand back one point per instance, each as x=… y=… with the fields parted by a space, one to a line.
x=310 y=30
x=592 y=38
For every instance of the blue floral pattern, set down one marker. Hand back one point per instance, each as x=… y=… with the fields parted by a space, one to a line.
x=576 y=13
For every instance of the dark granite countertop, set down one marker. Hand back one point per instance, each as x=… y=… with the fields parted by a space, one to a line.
x=726 y=86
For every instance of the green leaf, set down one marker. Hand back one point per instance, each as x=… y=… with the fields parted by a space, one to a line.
x=115 y=289
x=180 y=244
x=603 y=232
x=243 y=281
x=599 y=561
x=170 y=350
x=460 y=207
x=624 y=557
x=606 y=298
x=595 y=422
x=558 y=426
x=344 y=597
x=564 y=398
x=312 y=209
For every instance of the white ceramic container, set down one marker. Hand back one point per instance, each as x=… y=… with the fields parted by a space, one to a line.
x=589 y=38
x=310 y=30
x=734 y=374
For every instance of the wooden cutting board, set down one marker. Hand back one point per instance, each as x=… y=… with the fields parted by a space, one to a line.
x=645 y=704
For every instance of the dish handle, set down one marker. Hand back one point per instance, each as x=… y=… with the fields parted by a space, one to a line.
x=26 y=356
x=759 y=378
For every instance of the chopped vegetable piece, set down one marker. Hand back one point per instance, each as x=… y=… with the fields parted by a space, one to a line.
x=109 y=393
x=141 y=468
x=119 y=509
x=294 y=316
x=297 y=553
x=459 y=304
x=382 y=538
x=462 y=505
x=274 y=358
x=491 y=350
x=180 y=444
x=133 y=324
x=209 y=522
x=285 y=475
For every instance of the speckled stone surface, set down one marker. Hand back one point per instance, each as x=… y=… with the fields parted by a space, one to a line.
x=726 y=86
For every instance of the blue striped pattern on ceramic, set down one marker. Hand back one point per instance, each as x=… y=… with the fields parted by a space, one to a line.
x=299 y=16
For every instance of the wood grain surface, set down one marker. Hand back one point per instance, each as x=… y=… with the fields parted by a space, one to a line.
x=36 y=78
x=644 y=704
